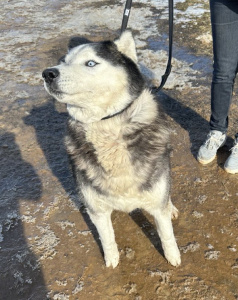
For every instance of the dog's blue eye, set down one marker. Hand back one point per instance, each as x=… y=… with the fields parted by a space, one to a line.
x=91 y=63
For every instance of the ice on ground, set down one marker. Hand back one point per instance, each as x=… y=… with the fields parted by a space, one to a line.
x=193 y=246
x=65 y=224
x=78 y=287
x=197 y=214
x=165 y=276
x=61 y=296
x=46 y=243
x=212 y=255
x=130 y=288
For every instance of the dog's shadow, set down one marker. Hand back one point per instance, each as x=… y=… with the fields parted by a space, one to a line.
x=50 y=126
x=191 y=121
x=196 y=126
x=148 y=229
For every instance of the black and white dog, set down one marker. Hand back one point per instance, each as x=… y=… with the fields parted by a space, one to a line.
x=118 y=139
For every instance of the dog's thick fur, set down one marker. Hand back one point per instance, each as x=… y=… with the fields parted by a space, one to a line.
x=118 y=139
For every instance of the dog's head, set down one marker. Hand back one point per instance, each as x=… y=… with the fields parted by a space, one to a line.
x=99 y=77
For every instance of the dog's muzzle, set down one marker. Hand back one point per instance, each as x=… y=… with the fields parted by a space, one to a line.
x=50 y=75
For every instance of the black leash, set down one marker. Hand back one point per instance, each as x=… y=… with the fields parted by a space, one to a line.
x=171 y=16
x=126 y=15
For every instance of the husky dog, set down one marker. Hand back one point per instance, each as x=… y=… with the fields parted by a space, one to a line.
x=117 y=140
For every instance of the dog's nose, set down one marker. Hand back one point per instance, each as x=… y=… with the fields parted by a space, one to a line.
x=50 y=74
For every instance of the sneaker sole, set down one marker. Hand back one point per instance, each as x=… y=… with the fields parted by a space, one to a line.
x=205 y=162
x=231 y=171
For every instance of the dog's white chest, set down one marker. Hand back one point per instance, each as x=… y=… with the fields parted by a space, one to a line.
x=113 y=156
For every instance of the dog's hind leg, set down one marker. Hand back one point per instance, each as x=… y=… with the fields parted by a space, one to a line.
x=103 y=223
x=166 y=234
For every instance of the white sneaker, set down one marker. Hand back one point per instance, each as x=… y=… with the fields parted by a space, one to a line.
x=207 y=152
x=231 y=164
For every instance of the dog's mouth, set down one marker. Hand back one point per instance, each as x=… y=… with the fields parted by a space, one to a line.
x=53 y=90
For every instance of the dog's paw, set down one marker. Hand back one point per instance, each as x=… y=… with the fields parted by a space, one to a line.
x=173 y=256
x=174 y=260
x=174 y=213
x=171 y=252
x=111 y=257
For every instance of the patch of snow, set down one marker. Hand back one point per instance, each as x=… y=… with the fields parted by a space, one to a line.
x=46 y=243
x=78 y=287
x=212 y=255
x=194 y=246
x=61 y=296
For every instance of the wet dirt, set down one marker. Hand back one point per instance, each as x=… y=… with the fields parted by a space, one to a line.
x=49 y=249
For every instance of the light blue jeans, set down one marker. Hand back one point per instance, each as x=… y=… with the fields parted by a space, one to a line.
x=224 y=19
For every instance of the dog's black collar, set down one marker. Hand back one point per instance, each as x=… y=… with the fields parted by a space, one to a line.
x=119 y=112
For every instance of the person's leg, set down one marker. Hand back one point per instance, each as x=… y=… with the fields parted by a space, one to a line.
x=224 y=19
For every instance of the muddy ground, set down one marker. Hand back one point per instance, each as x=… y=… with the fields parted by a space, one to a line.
x=49 y=249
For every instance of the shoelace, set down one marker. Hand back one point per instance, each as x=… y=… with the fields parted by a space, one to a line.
x=212 y=141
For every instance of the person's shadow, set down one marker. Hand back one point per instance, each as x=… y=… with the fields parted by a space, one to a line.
x=20 y=273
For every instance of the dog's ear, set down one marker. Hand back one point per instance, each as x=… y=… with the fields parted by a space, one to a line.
x=126 y=45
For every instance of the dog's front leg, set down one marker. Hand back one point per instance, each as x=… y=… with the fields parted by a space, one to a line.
x=166 y=234
x=103 y=223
